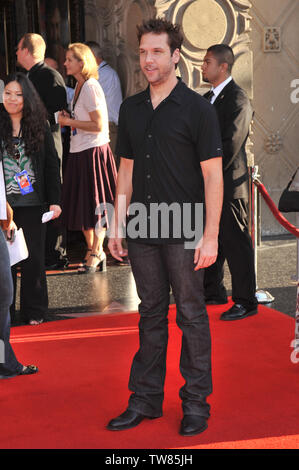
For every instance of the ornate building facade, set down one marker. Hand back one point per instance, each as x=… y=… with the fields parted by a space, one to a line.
x=262 y=33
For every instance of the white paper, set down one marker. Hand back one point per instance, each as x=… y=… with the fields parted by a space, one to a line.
x=47 y=216
x=17 y=249
x=3 y=215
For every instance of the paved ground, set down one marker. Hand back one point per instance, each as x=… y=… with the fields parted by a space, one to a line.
x=71 y=295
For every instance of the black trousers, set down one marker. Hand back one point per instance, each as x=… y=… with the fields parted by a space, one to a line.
x=155 y=268
x=33 y=292
x=55 y=245
x=235 y=246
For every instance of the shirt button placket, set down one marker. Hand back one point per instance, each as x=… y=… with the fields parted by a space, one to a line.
x=148 y=175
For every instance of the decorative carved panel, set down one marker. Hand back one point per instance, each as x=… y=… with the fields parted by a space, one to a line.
x=207 y=22
x=272 y=39
x=204 y=22
x=275 y=128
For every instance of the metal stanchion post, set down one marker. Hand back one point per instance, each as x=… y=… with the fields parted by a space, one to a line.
x=263 y=296
x=295 y=187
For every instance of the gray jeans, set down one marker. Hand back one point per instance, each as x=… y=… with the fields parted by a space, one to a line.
x=9 y=366
x=155 y=269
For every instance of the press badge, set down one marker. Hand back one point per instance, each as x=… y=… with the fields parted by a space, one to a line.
x=24 y=182
x=73 y=129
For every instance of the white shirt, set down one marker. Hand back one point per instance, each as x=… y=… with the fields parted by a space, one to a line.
x=3 y=215
x=91 y=98
x=219 y=89
x=110 y=83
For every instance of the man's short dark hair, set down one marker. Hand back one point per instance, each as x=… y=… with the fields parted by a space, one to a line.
x=223 y=54
x=96 y=48
x=159 y=26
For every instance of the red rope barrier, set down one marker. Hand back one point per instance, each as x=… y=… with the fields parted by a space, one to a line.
x=278 y=215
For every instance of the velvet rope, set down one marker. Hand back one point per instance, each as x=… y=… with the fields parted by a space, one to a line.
x=278 y=215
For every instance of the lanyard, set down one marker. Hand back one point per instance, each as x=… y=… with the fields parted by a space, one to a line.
x=74 y=102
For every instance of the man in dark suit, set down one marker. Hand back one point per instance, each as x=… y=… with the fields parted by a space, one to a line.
x=234 y=114
x=51 y=89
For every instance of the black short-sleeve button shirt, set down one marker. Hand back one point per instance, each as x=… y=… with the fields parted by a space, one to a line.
x=168 y=144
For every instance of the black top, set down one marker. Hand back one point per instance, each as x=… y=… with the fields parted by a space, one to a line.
x=45 y=163
x=14 y=166
x=167 y=145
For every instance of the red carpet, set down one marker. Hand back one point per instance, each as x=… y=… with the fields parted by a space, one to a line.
x=84 y=368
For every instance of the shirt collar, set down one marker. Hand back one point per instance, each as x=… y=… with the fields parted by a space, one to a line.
x=218 y=89
x=175 y=95
x=35 y=67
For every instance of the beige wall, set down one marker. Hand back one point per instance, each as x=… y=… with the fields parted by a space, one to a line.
x=275 y=46
x=264 y=69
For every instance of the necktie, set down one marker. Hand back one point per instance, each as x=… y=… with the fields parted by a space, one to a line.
x=209 y=95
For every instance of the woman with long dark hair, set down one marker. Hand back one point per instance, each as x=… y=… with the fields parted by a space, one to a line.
x=32 y=181
x=9 y=365
x=90 y=174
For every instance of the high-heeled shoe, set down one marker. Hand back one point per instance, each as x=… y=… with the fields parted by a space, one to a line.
x=29 y=370
x=100 y=266
x=34 y=321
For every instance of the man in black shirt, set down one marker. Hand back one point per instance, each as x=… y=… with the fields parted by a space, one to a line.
x=51 y=89
x=169 y=143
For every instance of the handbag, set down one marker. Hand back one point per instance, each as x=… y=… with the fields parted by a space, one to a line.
x=289 y=200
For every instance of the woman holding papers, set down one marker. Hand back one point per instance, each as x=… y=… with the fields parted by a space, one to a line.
x=9 y=365
x=32 y=181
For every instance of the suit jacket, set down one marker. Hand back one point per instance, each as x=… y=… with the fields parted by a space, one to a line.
x=234 y=114
x=51 y=88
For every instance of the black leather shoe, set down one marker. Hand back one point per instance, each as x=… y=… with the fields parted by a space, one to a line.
x=192 y=425
x=127 y=420
x=216 y=300
x=237 y=312
x=61 y=263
